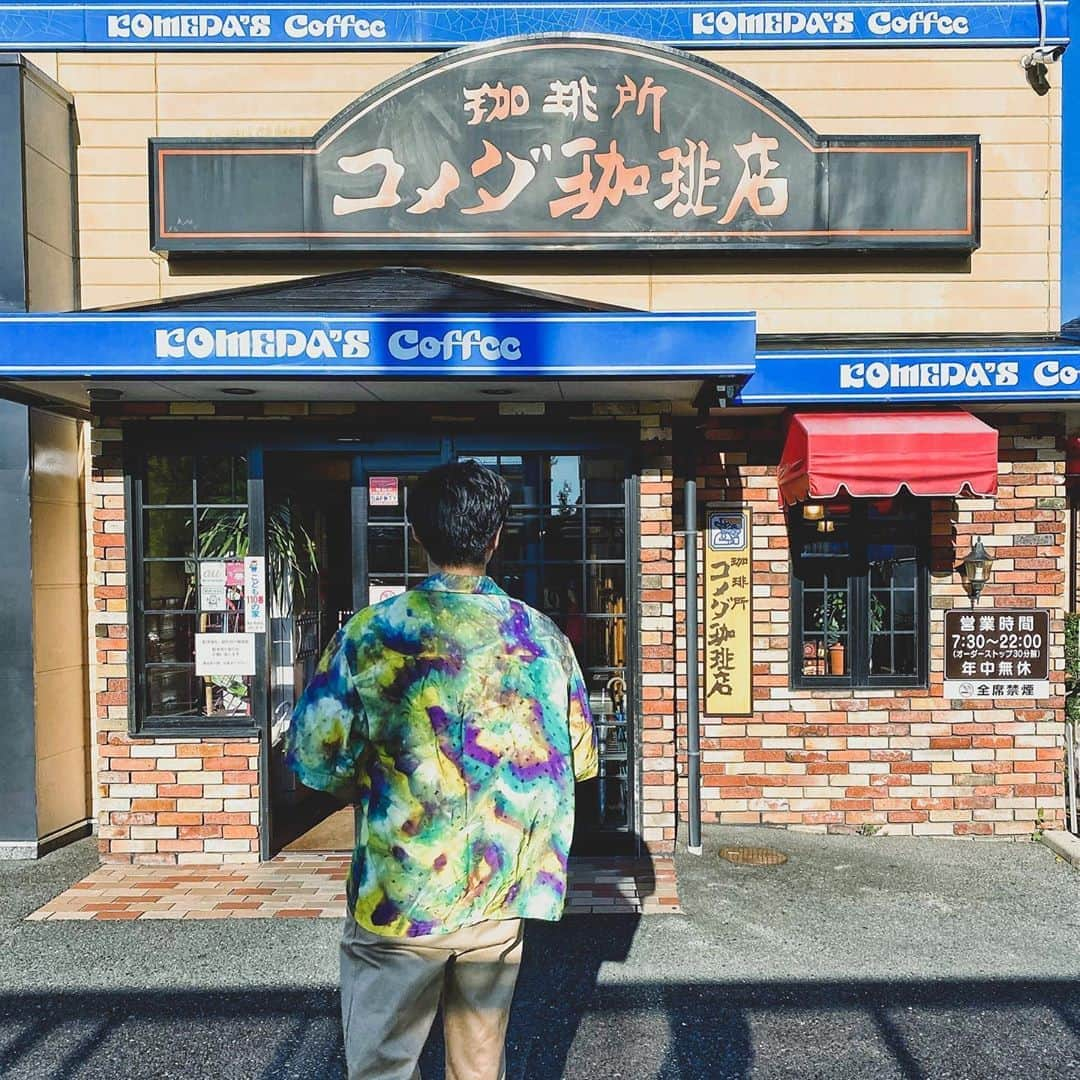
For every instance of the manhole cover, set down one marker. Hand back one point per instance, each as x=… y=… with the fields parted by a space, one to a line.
x=753 y=856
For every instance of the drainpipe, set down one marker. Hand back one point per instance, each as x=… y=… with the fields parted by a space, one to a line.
x=693 y=718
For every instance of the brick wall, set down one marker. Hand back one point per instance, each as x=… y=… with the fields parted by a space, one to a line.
x=898 y=761
x=196 y=800
x=657 y=650
x=157 y=800
x=178 y=800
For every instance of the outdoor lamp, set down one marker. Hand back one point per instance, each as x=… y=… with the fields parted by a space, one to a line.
x=976 y=569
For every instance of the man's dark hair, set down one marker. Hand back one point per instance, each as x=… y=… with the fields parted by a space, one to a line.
x=456 y=510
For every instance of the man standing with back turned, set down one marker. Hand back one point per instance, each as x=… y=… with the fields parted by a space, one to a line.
x=457 y=720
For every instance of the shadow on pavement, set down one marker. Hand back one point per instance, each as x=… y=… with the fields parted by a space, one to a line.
x=563 y=1025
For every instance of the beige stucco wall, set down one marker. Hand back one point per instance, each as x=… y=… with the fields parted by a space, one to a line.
x=1011 y=285
x=61 y=688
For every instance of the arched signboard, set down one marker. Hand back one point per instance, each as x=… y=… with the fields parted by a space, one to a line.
x=565 y=143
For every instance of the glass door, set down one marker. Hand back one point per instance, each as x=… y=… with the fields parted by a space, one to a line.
x=386 y=559
x=564 y=551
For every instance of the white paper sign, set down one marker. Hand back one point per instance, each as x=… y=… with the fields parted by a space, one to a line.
x=212 y=586
x=378 y=593
x=255 y=594
x=224 y=654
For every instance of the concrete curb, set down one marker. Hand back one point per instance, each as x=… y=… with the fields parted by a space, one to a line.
x=1063 y=844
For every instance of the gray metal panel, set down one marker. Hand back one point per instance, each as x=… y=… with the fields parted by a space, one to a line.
x=18 y=793
x=38 y=231
x=13 y=285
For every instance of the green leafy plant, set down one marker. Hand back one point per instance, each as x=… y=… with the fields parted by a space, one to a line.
x=1040 y=823
x=290 y=550
x=831 y=616
x=233 y=686
x=1072 y=650
x=868 y=830
x=877 y=615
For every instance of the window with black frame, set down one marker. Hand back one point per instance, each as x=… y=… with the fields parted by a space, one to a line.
x=859 y=592
x=188 y=554
x=563 y=551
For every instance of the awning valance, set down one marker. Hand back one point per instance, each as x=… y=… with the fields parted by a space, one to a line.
x=875 y=454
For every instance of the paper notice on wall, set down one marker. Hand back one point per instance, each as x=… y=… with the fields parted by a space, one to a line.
x=234 y=575
x=255 y=594
x=378 y=593
x=224 y=654
x=212 y=586
x=382 y=491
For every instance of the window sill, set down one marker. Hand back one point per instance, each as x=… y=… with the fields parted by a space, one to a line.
x=161 y=728
x=833 y=689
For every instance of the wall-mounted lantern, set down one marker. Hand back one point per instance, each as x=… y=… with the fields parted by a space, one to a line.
x=976 y=569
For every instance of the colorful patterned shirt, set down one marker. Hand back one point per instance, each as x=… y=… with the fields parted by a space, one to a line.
x=458 y=720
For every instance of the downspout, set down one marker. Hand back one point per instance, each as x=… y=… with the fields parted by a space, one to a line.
x=693 y=691
x=693 y=718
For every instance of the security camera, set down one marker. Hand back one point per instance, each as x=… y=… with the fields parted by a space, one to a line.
x=1043 y=54
x=1035 y=66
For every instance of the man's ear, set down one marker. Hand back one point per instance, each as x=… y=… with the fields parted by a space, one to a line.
x=494 y=545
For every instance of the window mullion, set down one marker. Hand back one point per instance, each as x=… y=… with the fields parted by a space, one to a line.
x=859 y=599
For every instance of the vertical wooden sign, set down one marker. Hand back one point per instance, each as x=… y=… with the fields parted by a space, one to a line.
x=728 y=612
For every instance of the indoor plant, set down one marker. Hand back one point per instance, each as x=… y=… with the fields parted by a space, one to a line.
x=831 y=618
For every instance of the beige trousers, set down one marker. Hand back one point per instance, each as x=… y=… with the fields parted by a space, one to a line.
x=392 y=987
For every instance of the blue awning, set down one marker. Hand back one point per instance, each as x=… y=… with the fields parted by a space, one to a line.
x=562 y=345
x=1040 y=370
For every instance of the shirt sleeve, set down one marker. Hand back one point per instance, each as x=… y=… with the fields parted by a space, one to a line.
x=582 y=732
x=328 y=733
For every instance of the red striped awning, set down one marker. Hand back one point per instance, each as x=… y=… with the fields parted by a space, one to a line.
x=876 y=454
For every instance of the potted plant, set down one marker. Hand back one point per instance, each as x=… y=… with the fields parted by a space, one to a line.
x=290 y=551
x=831 y=619
x=291 y=561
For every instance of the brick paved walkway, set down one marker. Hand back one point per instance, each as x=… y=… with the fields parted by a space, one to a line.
x=312 y=886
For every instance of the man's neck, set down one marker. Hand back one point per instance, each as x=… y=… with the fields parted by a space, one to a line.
x=460 y=571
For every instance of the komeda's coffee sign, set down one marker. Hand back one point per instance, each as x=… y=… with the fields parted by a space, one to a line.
x=565 y=143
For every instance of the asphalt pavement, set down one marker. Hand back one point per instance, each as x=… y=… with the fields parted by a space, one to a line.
x=861 y=957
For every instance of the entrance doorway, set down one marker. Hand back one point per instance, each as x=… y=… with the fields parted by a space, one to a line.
x=565 y=550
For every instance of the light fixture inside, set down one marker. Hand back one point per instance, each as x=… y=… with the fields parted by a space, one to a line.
x=826 y=525
x=497 y=391
x=238 y=391
x=813 y=511
x=104 y=393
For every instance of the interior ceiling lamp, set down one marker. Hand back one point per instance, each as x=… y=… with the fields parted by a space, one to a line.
x=813 y=511
x=976 y=569
x=1036 y=62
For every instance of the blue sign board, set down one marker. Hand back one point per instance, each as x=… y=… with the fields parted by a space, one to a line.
x=999 y=374
x=593 y=345
x=445 y=24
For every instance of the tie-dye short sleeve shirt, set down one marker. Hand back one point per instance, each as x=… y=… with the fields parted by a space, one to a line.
x=457 y=719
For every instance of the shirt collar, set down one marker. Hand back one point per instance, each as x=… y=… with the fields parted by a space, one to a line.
x=460 y=583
